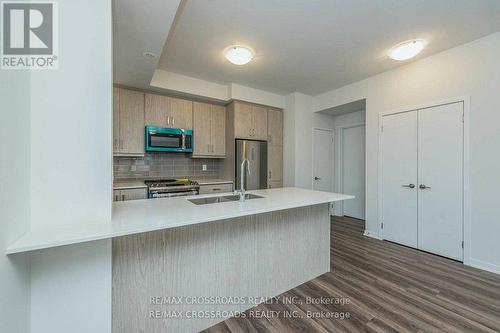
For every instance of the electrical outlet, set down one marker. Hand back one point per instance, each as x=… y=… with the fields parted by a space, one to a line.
x=204 y=167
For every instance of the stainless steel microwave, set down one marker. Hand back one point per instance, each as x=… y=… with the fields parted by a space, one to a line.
x=169 y=139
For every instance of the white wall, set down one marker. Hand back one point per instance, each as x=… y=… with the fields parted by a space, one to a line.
x=191 y=86
x=71 y=163
x=472 y=69
x=71 y=171
x=348 y=119
x=298 y=141
x=14 y=199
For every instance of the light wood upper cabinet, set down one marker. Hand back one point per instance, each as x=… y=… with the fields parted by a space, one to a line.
x=250 y=121
x=164 y=111
x=209 y=130
x=201 y=128
x=181 y=113
x=128 y=122
x=218 y=130
x=155 y=110
x=259 y=115
x=275 y=127
x=116 y=120
x=243 y=120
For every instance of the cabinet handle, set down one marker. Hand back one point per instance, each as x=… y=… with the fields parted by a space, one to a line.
x=173 y=121
x=123 y=197
x=216 y=189
x=116 y=197
x=270 y=175
x=168 y=120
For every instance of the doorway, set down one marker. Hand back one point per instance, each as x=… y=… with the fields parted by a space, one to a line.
x=352 y=170
x=322 y=166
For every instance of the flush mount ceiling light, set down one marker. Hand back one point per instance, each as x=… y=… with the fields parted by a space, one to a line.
x=238 y=55
x=407 y=49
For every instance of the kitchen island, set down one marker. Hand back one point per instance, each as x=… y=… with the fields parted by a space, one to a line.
x=182 y=267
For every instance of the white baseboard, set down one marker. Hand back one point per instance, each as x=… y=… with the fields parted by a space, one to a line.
x=368 y=234
x=484 y=266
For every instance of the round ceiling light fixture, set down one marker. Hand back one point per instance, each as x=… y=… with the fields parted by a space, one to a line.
x=238 y=55
x=407 y=49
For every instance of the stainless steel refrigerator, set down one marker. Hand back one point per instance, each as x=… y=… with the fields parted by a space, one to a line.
x=256 y=153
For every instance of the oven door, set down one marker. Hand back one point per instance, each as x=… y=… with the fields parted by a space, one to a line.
x=168 y=139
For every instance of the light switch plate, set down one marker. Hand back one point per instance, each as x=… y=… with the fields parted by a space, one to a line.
x=204 y=167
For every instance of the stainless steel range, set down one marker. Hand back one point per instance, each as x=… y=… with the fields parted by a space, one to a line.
x=168 y=188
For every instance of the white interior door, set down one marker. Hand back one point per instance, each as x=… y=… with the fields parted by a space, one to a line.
x=440 y=168
x=399 y=178
x=353 y=170
x=322 y=159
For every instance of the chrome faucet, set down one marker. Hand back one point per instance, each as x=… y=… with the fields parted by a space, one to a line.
x=242 y=191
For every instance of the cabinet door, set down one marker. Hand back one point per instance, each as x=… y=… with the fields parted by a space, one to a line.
x=259 y=115
x=117 y=195
x=274 y=163
x=134 y=194
x=243 y=120
x=275 y=184
x=156 y=110
x=181 y=113
x=218 y=130
x=275 y=127
x=201 y=128
x=131 y=122
x=116 y=120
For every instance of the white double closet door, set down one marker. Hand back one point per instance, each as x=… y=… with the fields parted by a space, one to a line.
x=422 y=179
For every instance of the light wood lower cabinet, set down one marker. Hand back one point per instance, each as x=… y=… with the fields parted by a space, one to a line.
x=130 y=194
x=216 y=188
x=274 y=163
x=275 y=184
x=209 y=130
x=128 y=122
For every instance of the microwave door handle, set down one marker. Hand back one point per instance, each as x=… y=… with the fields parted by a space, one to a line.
x=183 y=141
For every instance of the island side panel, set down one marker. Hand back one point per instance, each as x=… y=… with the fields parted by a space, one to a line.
x=254 y=256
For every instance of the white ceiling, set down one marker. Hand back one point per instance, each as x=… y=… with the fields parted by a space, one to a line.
x=138 y=27
x=316 y=46
x=305 y=46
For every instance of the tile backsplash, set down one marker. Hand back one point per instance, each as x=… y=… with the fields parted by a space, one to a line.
x=164 y=165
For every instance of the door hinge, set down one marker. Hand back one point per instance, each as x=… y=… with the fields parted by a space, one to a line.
x=382 y=225
x=463 y=117
x=462 y=244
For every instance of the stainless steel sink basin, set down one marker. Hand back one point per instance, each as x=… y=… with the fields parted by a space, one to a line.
x=223 y=198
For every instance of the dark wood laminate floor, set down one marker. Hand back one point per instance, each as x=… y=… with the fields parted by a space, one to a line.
x=390 y=288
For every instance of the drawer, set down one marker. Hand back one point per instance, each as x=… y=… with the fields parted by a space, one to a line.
x=217 y=188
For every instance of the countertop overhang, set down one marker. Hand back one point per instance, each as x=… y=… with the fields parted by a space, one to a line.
x=139 y=216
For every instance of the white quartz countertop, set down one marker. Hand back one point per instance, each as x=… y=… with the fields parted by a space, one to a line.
x=138 y=216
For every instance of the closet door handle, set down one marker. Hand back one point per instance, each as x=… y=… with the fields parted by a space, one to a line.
x=423 y=187
x=409 y=185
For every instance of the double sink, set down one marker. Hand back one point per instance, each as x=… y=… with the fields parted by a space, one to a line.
x=223 y=198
